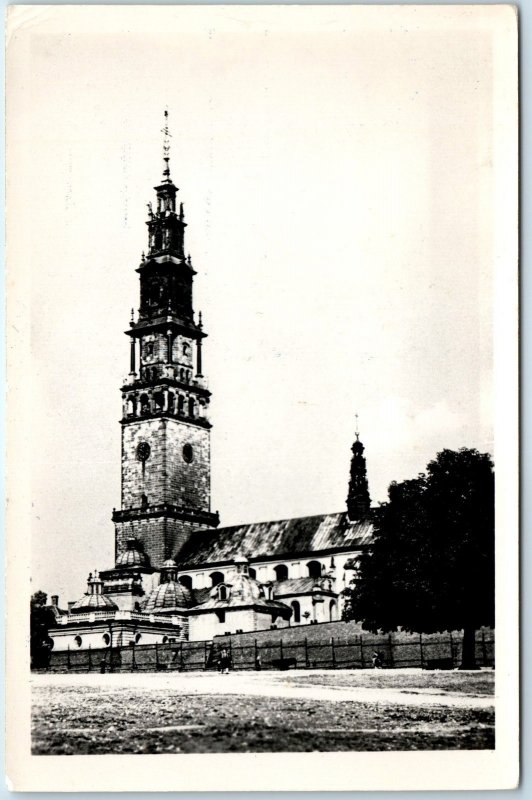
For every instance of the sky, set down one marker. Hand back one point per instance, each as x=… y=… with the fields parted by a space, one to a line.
x=338 y=187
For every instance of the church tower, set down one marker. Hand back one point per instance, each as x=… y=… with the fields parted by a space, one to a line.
x=358 y=502
x=165 y=426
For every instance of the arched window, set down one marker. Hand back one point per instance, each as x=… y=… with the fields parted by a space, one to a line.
x=144 y=501
x=314 y=569
x=216 y=578
x=252 y=572
x=182 y=374
x=332 y=610
x=159 y=400
x=186 y=348
x=144 y=404
x=180 y=404
x=191 y=407
x=185 y=580
x=78 y=641
x=165 y=639
x=136 y=607
x=296 y=616
x=281 y=572
x=106 y=639
x=138 y=637
x=131 y=406
x=222 y=593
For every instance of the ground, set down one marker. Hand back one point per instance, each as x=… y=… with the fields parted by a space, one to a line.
x=262 y=712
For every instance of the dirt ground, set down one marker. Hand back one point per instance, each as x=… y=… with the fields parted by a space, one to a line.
x=262 y=712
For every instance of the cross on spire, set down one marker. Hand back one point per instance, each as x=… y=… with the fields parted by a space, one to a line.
x=166 y=147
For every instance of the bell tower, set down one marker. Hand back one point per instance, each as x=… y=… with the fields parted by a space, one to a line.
x=165 y=425
x=358 y=501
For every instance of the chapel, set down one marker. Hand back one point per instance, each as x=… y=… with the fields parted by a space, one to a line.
x=178 y=574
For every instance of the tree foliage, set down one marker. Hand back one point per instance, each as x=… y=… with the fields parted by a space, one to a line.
x=432 y=563
x=41 y=619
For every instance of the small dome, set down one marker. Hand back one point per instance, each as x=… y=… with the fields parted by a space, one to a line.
x=132 y=556
x=168 y=596
x=169 y=564
x=94 y=602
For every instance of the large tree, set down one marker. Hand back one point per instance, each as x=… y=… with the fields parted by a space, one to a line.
x=431 y=566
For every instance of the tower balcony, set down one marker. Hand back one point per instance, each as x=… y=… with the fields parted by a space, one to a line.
x=205 y=519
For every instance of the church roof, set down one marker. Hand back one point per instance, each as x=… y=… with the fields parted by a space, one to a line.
x=281 y=538
x=297 y=586
x=243 y=602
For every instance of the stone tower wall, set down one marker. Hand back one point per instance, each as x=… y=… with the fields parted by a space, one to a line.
x=166 y=477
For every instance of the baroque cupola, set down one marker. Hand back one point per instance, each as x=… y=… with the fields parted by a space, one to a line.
x=132 y=556
x=93 y=599
x=358 y=500
x=170 y=595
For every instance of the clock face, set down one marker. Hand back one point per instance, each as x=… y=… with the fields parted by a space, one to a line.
x=143 y=451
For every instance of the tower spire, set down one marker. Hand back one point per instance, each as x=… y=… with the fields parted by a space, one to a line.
x=358 y=500
x=166 y=148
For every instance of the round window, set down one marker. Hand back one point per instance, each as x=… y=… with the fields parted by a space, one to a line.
x=188 y=453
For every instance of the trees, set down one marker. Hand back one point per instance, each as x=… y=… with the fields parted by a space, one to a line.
x=431 y=566
x=41 y=619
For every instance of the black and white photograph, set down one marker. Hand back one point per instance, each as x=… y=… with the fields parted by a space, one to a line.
x=262 y=397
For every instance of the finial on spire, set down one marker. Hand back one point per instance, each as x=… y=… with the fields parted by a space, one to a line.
x=132 y=316
x=200 y=320
x=356 y=426
x=166 y=147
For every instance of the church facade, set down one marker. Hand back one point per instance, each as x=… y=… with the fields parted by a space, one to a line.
x=178 y=574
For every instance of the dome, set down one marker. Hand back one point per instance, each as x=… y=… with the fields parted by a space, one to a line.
x=94 y=599
x=132 y=556
x=167 y=596
x=94 y=602
x=169 y=564
x=246 y=588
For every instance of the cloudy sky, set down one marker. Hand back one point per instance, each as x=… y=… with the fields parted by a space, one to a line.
x=337 y=176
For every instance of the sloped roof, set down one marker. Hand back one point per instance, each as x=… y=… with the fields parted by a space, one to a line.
x=295 y=586
x=282 y=538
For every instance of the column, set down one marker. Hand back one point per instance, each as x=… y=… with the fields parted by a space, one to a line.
x=198 y=362
x=132 y=356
